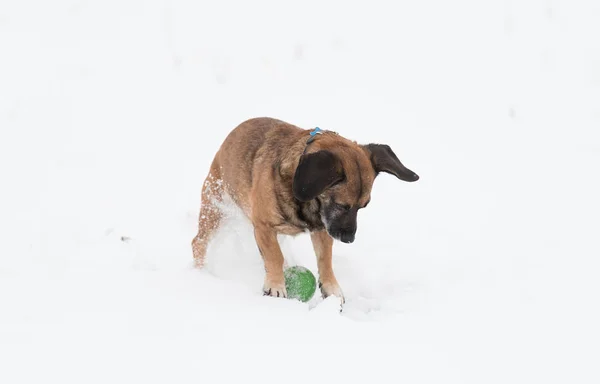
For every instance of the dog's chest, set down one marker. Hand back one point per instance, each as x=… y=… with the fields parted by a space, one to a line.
x=300 y=217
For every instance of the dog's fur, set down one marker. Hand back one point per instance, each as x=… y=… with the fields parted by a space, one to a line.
x=287 y=185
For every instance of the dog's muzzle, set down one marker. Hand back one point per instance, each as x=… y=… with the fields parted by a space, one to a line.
x=347 y=237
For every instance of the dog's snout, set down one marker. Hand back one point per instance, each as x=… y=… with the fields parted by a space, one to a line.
x=347 y=237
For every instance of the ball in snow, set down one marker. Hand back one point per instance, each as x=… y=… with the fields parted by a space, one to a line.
x=300 y=283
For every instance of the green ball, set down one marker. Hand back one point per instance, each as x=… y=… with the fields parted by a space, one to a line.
x=300 y=283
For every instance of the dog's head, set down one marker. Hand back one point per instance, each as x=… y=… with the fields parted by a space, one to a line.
x=340 y=174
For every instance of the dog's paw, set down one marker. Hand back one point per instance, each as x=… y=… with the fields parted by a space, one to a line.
x=274 y=289
x=328 y=289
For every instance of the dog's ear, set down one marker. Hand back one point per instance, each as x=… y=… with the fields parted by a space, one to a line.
x=385 y=160
x=316 y=172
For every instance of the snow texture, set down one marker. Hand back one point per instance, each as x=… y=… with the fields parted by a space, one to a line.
x=483 y=271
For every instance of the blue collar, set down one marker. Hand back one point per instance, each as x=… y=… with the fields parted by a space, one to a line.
x=313 y=135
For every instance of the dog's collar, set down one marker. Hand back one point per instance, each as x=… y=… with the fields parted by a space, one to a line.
x=313 y=135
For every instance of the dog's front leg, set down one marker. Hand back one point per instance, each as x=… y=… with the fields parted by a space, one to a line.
x=266 y=239
x=323 y=246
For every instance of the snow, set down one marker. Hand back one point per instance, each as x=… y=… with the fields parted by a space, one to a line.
x=483 y=271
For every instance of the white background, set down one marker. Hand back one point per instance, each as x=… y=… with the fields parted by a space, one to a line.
x=483 y=271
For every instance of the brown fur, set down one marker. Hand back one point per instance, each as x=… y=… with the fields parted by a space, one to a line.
x=256 y=166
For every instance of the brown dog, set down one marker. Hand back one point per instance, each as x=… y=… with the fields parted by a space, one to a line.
x=289 y=180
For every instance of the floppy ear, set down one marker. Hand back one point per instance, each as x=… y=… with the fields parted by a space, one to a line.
x=385 y=160
x=316 y=172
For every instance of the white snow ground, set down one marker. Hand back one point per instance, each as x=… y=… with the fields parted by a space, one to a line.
x=484 y=271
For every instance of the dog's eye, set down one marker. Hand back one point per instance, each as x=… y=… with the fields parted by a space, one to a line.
x=339 y=181
x=343 y=207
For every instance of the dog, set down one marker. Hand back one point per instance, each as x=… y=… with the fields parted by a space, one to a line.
x=289 y=180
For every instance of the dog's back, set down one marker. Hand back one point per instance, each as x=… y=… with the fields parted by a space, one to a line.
x=250 y=150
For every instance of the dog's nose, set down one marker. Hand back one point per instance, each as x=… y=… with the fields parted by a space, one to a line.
x=347 y=237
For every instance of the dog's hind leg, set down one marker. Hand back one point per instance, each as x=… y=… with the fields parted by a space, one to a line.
x=210 y=216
